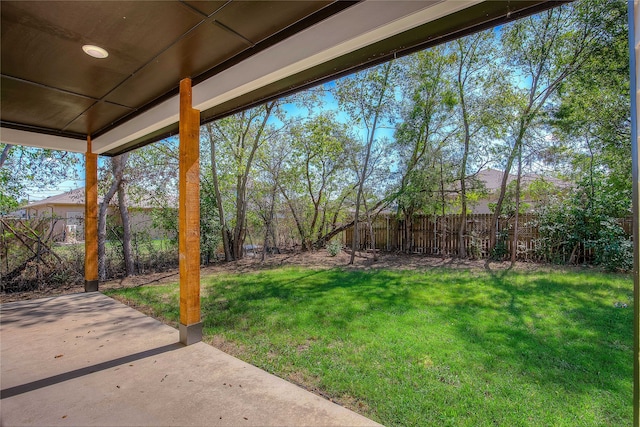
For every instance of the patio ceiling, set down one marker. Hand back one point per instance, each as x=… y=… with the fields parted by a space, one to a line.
x=238 y=54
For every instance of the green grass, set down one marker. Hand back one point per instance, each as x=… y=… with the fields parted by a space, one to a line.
x=442 y=347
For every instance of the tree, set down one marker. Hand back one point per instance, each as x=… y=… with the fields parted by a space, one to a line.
x=544 y=51
x=587 y=218
x=24 y=168
x=270 y=165
x=424 y=131
x=368 y=98
x=234 y=142
x=478 y=83
x=117 y=169
x=153 y=180
x=593 y=121
x=592 y=127
x=156 y=183
x=315 y=175
x=123 y=208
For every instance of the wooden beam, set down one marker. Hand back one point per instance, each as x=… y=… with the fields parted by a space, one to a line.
x=91 y=220
x=189 y=218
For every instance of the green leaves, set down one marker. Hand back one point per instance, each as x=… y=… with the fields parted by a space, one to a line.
x=583 y=226
x=25 y=169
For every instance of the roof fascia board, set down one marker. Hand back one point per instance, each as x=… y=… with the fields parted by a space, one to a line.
x=224 y=86
x=41 y=140
x=338 y=35
x=161 y=116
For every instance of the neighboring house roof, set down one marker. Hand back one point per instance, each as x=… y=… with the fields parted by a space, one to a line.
x=76 y=197
x=71 y=197
x=492 y=179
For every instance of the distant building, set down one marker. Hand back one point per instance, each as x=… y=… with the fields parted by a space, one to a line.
x=492 y=181
x=66 y=211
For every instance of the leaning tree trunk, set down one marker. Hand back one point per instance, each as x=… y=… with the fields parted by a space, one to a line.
x=462 y=227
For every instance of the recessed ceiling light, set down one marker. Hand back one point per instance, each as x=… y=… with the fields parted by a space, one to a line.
x=95 y=51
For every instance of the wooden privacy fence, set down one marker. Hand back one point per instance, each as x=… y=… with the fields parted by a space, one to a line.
x=438 y=235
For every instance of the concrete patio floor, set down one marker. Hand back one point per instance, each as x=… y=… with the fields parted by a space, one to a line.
x=88 y=360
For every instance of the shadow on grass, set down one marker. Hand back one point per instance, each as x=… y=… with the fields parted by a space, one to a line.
x=542 y=327
x=574 y=335
x=334 y=297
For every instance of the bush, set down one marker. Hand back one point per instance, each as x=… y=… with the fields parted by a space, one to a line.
x=334 y=247
x=613 y=249
x=501 y=251
x=584 y=227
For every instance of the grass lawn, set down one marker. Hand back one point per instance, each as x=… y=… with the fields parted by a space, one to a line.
x=437 y=347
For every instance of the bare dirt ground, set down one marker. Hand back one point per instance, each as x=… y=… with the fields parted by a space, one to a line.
x=317 y=260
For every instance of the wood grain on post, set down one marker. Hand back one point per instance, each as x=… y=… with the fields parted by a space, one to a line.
x=189 y=208
x=91 y=219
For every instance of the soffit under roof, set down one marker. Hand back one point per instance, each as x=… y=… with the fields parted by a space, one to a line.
x=233 y=50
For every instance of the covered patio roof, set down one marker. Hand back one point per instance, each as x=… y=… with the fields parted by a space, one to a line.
x=237 y=54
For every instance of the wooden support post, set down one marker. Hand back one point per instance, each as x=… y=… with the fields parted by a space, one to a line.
x=189 y=218
x=91 y=220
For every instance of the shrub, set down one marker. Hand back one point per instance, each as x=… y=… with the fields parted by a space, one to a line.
x=501 y=251
x=613 y=249
x=583 y=227
x=334 y=247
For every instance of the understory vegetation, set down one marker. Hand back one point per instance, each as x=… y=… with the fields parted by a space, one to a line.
x=31 y=259
x=431 y=347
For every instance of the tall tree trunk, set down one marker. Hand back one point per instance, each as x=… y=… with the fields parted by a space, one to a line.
x=493 y=229
x=216 y=187
x=316 y=205
x=443 y=201
x=462 y=227
x=126 y=231
x=371 y=232
x=296 y=218
x=365 y=167
x=240 y=228
x=322 y=228
x=117 y=165
x=514 y=246
x=268 y=226
x=536 y=100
